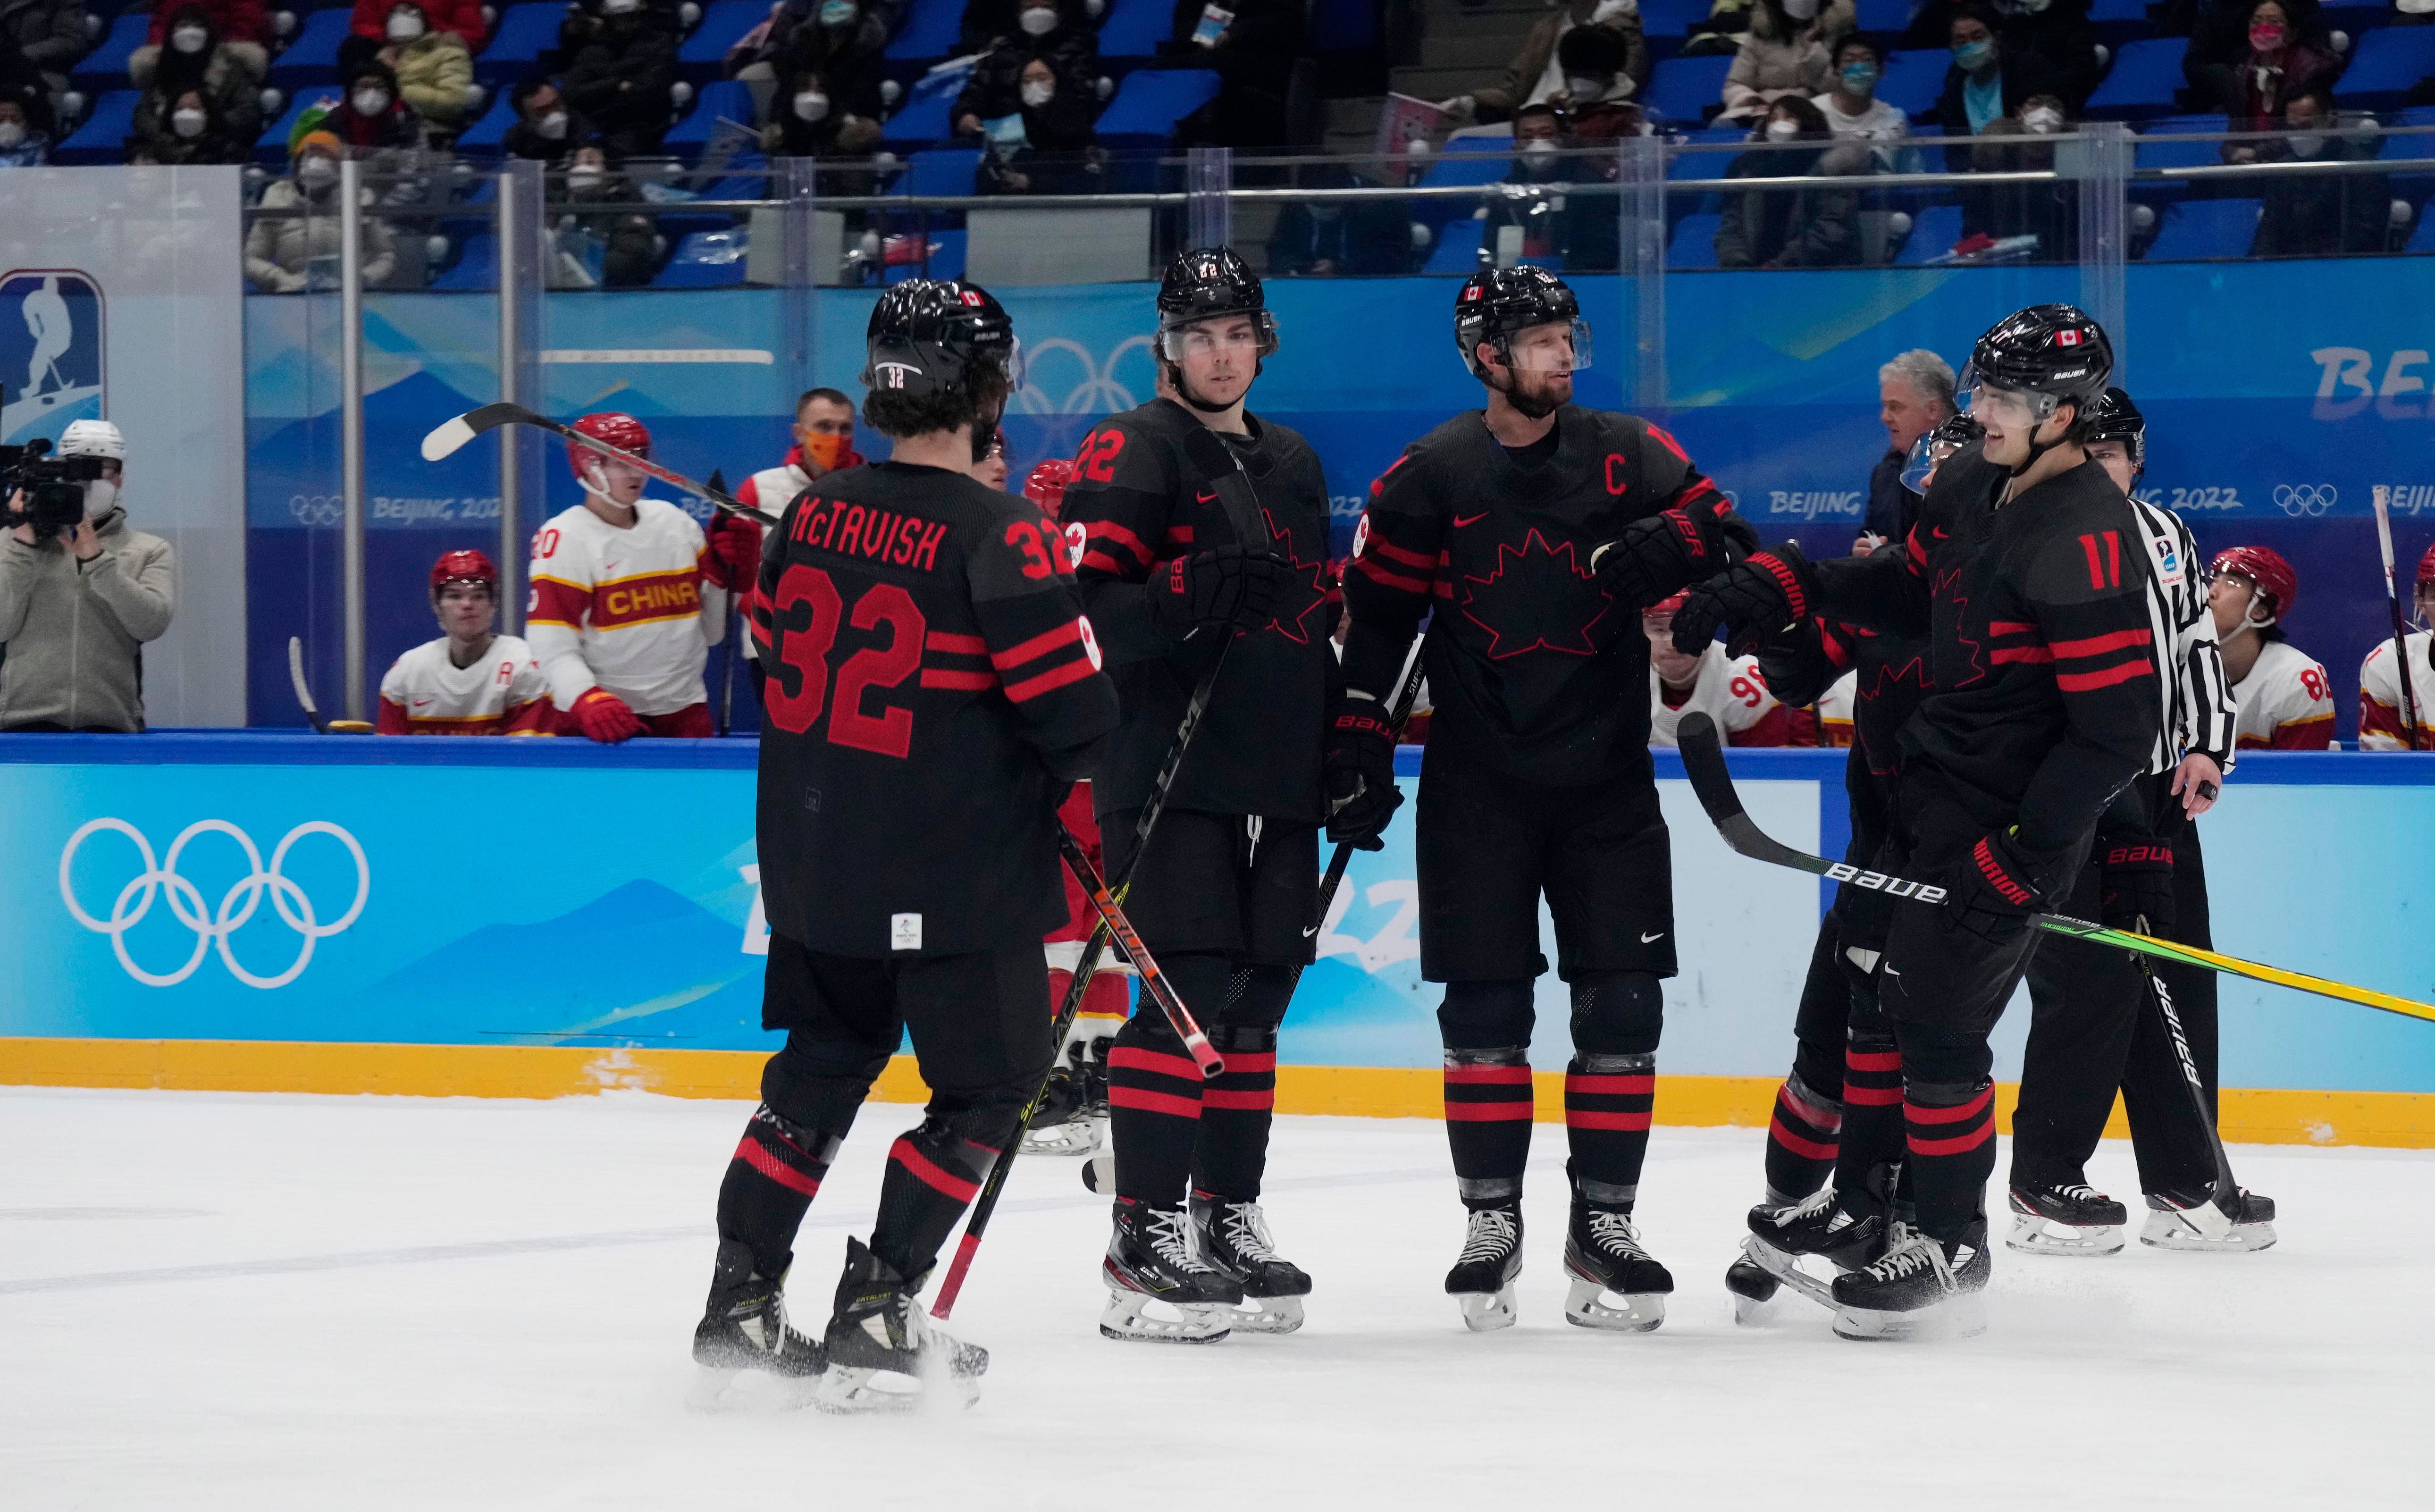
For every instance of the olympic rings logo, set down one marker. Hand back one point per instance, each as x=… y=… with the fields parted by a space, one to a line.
x=213 y=927
x=317 y=511
x=1098 y=393
x=2307 y=500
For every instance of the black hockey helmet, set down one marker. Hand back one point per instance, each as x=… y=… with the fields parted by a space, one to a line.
x=1207 y=283
x=2051 y=350
x=936 y=336
x=2113 y=417
x=1497 y=303
x=1952 y=435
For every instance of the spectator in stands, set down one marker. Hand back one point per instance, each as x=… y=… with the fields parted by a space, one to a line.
x=1252 y=47
x=1526 y=214
x=1720 y=32
x=77 y=608
x=1358 y=238
x=1792 y=227
x=2220 y=42
x=1785 y=53
x=2053 y=38
x=372 y=28
x=238 y=26
x=183 y=129
x=21 y=82
x=620 y=77
x=1914 y=397
x=285 y=254
x=1537 y=73
x=434 y=68
x=1056 y=152
x=373 y=118
x=21 y=143
x=807 y=123
x=1987 y=81
x=547 y=130
x=1995 y=218
x=198 y=62
x=993 y=90
x=989 y=23
x=49 y=34
x=1851 y=109
x=2275 y=67
x=631 y=244
x=1595 y=62
x=2325 y=214
x=839 y=51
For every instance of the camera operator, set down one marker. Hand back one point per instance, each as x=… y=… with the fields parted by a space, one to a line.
x=79 y=592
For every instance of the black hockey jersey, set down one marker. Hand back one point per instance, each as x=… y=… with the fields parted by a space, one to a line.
x=1533 y=668
x=933 y=688
x=1143 y=501
x=2042 y=660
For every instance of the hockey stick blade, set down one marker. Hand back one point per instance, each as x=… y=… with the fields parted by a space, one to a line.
x=449 y=436
x=1706 y=763
x=304 y=691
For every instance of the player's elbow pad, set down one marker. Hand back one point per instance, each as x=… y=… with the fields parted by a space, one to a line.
x=1072 y=764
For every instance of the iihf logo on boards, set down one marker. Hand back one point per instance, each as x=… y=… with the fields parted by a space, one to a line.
x=50 y=352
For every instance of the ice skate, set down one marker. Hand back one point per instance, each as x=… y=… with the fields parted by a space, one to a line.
x=1918 y=1289
x=1606 y=1260
x=1821 y=1224
x=1753 y=1288
x=1233 y=1239
x=1482 y=1277
x=1073 y=1117
x=882 y=1354
x=2073 y=1218
x=1150 y=1261
x=744 y=1328
x=2196 y=1226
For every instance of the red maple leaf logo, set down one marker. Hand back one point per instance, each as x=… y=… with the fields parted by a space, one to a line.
x=1535 y=600
x=1301 y=602
x=1948 y=590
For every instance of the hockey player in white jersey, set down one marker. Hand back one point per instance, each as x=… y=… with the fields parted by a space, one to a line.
x=629 y=595
x=2381 y=722
x=470 y=681
x=1729 y=690
x=2286 y=702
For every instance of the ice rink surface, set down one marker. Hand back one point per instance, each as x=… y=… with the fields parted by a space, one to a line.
x=214 y=1301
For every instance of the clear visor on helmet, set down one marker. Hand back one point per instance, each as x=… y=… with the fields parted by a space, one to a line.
x=1253 y=332
x=1989 y=402
x=1558 y=346
x=1925 y=452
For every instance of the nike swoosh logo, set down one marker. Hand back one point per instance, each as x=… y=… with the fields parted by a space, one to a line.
x=1941 y=534
x=1889 y=971
x=1308 y=929
x=1646 y=938
x=1460 y=521
x=419 y=702
x=1206 y=498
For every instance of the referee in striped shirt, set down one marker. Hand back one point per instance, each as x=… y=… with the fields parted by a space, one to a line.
x=2088 y=1036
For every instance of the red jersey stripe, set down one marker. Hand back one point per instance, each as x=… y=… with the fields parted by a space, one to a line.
x=1394 y=553
x=958 y=645
x=1369 y=568
x=1038 y=646
x=2099 y=645
x=1049 y=682
x=2089 y=682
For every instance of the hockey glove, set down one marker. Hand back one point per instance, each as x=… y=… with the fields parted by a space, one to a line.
x=2135 y=874
x=604 y=717
x=1795 y=665
x=1763 y=597
x=1655 y=558
x=1228 y=585
x=1360 y=771
x=734 y=552
x=1997 y=885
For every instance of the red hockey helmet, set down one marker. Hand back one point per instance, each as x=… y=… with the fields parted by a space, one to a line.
x=2427 y=568
x=1668 y=604
x=464 y=567
x=621 y=431
x=2264 y=566
x=1045 y=487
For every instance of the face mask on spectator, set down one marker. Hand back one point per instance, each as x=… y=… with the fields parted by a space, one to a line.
x=1539 y=147
x=100 y=496
x=1587 y=86
x=2266 y=37
x=1860 y=78
x=2044 y=120
x=585 y=176
x=1974 y=55
x=370 y=101
x=1800 y=9
x=2308 y=144
x=186 y=122
x=316 y=171
x=191 y=39
x=405 y=27
x=837 y=12
x=1039 y=93
x=12 y=134
x=1039 y=20
x=811 y=105
x=1781 y=129
x=552 y=126
x=621 y=8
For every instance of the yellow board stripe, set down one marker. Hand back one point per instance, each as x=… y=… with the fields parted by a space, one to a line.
x=2253 y=1116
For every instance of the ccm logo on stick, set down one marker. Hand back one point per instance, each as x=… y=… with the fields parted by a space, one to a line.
x=1879 y=882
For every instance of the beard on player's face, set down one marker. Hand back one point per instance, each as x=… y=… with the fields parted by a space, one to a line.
x=1536 y=394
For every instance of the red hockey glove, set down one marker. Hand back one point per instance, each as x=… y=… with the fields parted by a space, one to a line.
x=1765 y=595
x=2136 y=875
x=734 y=552
x=604 y=717
x=1360 y=771
x=1997 y=885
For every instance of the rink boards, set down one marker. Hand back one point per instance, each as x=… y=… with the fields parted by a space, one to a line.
x=269 y=912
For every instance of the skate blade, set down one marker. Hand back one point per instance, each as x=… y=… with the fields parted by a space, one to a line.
x=1100 y=1172
x=1785 y=1267
x=1487 y=1311
x=858 y=1390
x=1128 y=1319
x=1078 y=1137
x=1752 y=1312
x=1961 y=1316
x=2033 y=1235
x=2171 y=1230
x=1585 y=1306
x=1267 y=1314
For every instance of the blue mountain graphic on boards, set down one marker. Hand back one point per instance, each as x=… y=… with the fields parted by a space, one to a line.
x=641 y=964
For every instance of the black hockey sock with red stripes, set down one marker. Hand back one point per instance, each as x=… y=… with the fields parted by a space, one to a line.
x=1803 y=1138
x=1872 y=1097
x=1154 y=1090
x=1949 y=1113
x=1236 y=1110
x=933 y=1173
x=770 y=1184
x=1488 y=1109
x=1607 y=1104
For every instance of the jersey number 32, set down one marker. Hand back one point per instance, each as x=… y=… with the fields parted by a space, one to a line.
x=887 y=733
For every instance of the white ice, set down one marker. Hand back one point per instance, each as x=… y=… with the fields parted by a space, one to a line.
x=266 y=1302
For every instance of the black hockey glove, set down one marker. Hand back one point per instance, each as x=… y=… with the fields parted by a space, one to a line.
x=1226 y=586
x=2136 y=872
x=1796 y=666
x=1765 y=595
x=1360 y=771
x=1997 y=885
x=1655 y=558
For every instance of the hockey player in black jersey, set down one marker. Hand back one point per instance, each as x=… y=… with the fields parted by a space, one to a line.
x=1538 y=530
x=1205 y=533
x=934 y=689
x=2026 y=575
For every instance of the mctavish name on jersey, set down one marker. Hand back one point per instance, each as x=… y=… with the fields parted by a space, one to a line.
x=881 y=535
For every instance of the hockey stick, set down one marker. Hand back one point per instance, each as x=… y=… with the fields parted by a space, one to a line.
x=727 y=676
x=449 y=435
x=304 y=697
x=2215 y=1217
x=2382 y=495
x=1399 y=714
x=1703 y=759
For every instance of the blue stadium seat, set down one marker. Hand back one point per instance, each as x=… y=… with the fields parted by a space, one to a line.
x=1694 y=242
x=924 y=117
x=2158 y=146
x=729 y=99
x=313 y=57
x=946 y=260
x=2118 y=20
x=723 y=25
x=2145 y=75
x=2358 y=17
x=1458 y=248
x=929 y=30
x=1674 y=18
x=105 y=67
x=526 y=32
x=2421 y=239
x=1680 y=87
x=103 y=138
x=941 y=171
x=1134 y=28
x=2206 y=228
x=1934 y=229
x=488 y=137
x=2384 y=64
x=1472 y=160
x=1151 y=101
x=1915 y=79
x=1883 y=18
x=705 y=260
x=1711 y=163
x=476 y=265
